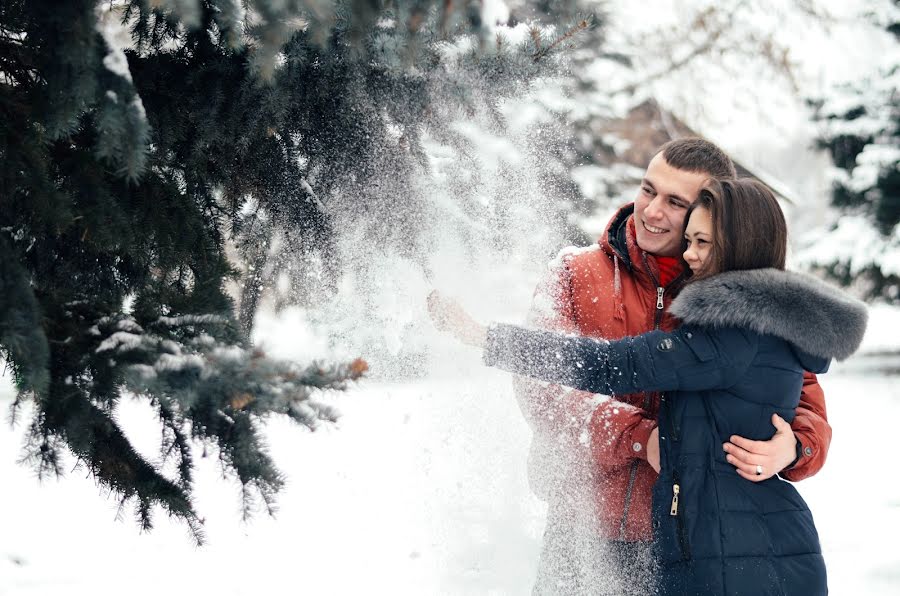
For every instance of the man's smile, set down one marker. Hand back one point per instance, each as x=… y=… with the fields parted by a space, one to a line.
x=653 y=229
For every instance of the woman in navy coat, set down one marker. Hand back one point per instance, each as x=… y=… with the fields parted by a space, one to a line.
x=749 y=330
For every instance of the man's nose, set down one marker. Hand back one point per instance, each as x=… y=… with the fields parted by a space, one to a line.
x=654 y=208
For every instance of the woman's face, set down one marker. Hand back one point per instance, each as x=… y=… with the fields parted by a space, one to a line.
x=699 y=237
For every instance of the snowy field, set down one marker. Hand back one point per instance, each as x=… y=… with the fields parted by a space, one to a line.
x=421 y=489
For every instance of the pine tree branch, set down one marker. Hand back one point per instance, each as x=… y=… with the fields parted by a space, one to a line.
x=23 y=344
x=541 y=53
x=97 y=442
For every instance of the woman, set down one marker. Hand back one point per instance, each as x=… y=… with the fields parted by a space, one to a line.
x=749 y=330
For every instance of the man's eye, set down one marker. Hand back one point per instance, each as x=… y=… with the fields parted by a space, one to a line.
x=676 y=203
x=647 y=190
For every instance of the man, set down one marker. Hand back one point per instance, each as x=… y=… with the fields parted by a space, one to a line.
x=595 y=460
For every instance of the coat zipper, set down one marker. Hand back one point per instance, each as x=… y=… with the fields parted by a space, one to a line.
x=676 y=486
x=657 y=317
x=679 y=519
x=675 y=489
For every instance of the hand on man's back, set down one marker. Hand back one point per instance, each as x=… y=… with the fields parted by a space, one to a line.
x=760 y=460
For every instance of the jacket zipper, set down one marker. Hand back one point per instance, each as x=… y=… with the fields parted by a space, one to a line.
x=676 y=486
x=679 y=519
x=675 y=490
x=657 y=317
x=660 y=291
x=660 y=305
x=674 y=435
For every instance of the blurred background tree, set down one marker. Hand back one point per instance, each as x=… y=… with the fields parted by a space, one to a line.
x=860 y=128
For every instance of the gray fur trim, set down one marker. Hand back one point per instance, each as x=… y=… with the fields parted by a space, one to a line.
x=814 y=316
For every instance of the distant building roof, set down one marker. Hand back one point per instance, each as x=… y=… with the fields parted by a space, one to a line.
x=648 y=126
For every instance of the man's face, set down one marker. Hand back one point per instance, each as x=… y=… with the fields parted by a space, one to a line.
x=661 y=204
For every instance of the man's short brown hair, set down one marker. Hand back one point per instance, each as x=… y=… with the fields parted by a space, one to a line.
x=693 y=154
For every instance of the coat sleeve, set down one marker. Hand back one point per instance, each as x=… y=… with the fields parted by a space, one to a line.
x=550 y=408
x=558 y=415
x=811 y=428
x=689 y=359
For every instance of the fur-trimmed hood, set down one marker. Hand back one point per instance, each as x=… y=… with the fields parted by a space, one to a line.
x=813 y=316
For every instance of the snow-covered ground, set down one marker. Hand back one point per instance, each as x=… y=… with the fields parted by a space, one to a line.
x=421 y=489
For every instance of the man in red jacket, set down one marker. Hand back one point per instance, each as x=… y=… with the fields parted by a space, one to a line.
x=594 y=459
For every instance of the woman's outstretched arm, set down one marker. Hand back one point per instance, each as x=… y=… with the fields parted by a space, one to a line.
x=689 y=358
x=686 y=359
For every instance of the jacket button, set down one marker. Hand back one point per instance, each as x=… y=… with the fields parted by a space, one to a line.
x=637 y=447
x=689 y=335
x=665 y=345
x=807 y=451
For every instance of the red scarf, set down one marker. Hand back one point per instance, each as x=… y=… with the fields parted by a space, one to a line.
x=669 y=267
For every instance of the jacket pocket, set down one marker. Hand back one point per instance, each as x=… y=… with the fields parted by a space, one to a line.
x=699 y=343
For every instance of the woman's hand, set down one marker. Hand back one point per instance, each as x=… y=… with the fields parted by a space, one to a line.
x=447 y=315
x=760 y=460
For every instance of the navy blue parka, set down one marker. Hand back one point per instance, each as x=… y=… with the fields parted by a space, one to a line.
x=738 y=358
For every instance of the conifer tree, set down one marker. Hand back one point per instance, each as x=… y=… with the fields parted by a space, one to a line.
x=860 y=128
x=127 y=162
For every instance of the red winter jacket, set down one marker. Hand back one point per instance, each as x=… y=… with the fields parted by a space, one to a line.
x=609 y=290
